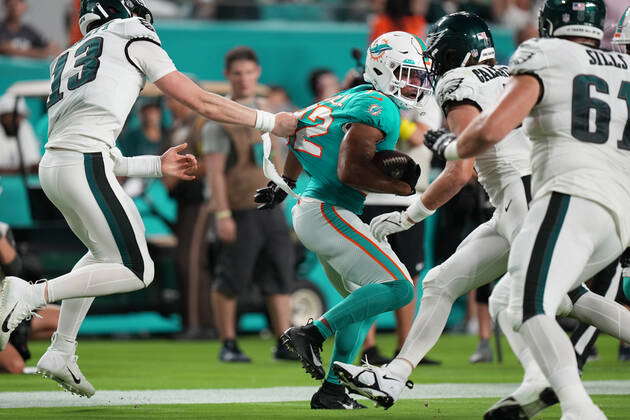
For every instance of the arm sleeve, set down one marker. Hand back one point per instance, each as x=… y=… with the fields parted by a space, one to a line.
x=214 y=139
x=137 y=166
x=149 y=58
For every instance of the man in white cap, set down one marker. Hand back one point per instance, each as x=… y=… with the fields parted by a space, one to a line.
x=16 y=137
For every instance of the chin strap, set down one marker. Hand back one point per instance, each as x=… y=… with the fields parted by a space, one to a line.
x=270 y=170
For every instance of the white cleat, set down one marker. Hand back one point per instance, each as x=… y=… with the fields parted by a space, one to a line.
x=522 y=404
x=62 y=368
x=373 y=382
x=584 y=413
x=15 y=306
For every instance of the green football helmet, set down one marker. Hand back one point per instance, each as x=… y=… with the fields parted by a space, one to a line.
x=102 y=11
x=458 y=40
x=582 y=18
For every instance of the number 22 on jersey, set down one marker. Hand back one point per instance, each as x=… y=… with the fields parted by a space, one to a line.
x=321 y=115
x=86 y=60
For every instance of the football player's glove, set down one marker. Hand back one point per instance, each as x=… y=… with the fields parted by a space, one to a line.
x=272 y=194
x=438 y=141
x=389 y=223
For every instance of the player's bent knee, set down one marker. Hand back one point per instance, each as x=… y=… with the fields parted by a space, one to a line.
x=149 y=272
x=402 y=290
x=499 y=300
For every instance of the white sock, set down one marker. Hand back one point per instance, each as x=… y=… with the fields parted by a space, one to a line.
x=605 y=314
x=427 y=327
x=400 y=368
x=554 y=353
x=533 y=376
x=100 y=279
x=73 y=312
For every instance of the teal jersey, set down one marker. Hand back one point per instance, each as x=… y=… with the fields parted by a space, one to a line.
x=322 y=127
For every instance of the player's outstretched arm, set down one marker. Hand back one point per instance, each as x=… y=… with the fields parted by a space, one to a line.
x=178 y=165
x=356 y=168
x=454 y=176
x=521 y=95
x=218 y=108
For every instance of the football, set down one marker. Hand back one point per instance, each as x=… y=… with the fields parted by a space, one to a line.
x=392 y=162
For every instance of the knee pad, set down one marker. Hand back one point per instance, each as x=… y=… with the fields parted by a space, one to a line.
x=430 y=283
x=499 y=299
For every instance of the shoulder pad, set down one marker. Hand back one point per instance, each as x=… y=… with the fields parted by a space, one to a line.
x=457 y=85
x=134 y=28
x=531 y=56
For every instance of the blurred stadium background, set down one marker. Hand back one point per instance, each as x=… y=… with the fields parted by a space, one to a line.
x=292 y=38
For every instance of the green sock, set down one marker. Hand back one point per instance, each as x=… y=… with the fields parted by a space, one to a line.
x=364 y=303
x=348 y=343
x=626 y=287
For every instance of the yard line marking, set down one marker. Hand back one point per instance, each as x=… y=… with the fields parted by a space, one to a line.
x=263 y=395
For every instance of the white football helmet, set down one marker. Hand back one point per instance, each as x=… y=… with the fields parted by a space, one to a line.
x=396 y=67
x=621 y=38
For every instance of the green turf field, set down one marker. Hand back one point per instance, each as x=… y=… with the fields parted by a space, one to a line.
x=161 y=364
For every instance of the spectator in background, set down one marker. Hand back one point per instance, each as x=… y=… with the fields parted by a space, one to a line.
x=278 y=100
x=401 y=15
x=323 y=83
x=20 y=39
x=528 y=31
x=191 y=228
x=18 y=142
x=515 y=14
x=246 y=235
x=150 y=138
x=72 y=22
x=614 y=10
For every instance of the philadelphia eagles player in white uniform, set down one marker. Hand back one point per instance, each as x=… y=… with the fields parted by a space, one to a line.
x=94 y=84
x=574 y=102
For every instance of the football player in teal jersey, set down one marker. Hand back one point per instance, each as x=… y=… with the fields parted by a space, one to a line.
x=335 y=144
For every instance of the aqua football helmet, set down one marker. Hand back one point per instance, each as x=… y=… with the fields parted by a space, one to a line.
x=395 y=66
x=102 y=11
x=580 y=18
x=621 y=38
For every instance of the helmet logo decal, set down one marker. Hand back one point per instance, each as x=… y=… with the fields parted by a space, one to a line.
x=566 y=18
x=579 y=7
x=378 y=50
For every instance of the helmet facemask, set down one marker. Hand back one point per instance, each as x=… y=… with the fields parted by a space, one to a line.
x=409 y=84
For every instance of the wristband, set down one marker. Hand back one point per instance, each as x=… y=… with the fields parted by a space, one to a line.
x=417 y=211
x=265 y=121
x=223 y=214
x=450 y=153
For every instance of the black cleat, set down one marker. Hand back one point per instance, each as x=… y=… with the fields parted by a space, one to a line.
x=624 y=352
x=302 y=342
x=324 y=400
x=510 y=409
x=281 y=352
x=231 y=353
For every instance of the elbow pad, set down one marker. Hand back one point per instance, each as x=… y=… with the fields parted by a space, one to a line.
x=137 y=166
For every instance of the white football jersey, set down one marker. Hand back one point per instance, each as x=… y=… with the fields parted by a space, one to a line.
x=95 y=83
x=580 y=128
x=482 y=86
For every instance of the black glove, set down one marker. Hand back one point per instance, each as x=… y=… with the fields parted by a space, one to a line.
x=411 y=175
x=438 y=140
x=271 y=195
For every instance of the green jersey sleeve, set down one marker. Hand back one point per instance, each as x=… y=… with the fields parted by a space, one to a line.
x=377 y=110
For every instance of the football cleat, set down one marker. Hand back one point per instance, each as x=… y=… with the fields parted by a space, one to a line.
x=373 y=382
x=334 y=401
x=231 y=353
x=522 y=405
x=15 y=306
x=62 y=367
x=307 y=348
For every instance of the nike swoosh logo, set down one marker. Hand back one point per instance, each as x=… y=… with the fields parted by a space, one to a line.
x=508 y=205
x=76 y=380
x=347 y=406
x=5 y=324
x=390 y=378
x=315 y=361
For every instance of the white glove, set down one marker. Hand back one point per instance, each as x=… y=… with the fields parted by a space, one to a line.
x=388 y=223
